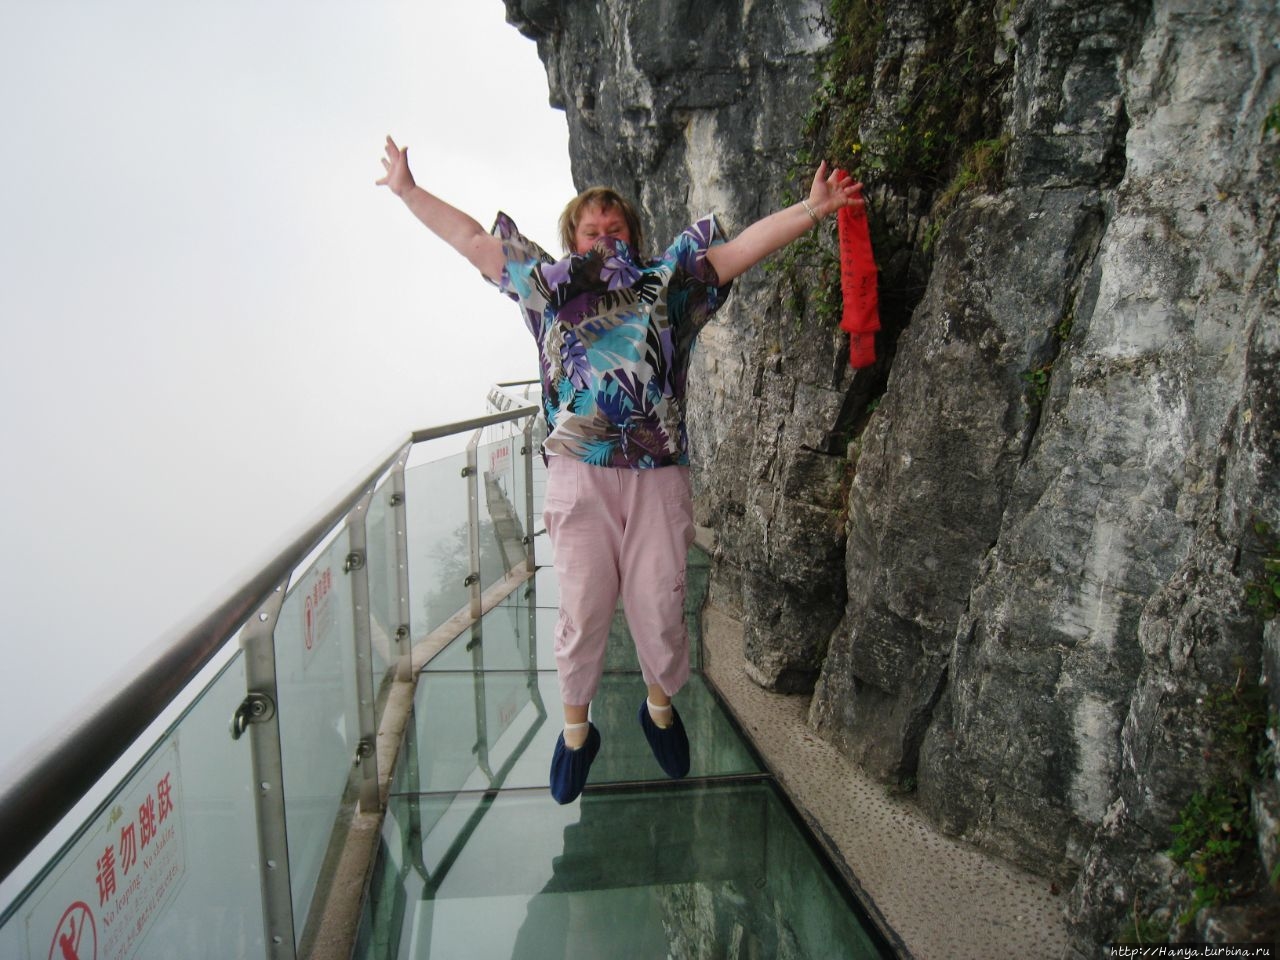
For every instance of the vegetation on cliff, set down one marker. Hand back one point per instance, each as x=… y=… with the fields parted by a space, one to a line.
x=913 y=111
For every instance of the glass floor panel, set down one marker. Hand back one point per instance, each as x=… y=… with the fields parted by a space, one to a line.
x=477 y=860
x=718 y=870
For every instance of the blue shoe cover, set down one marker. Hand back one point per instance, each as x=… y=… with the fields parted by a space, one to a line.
x=670 y=746
x=569 y=768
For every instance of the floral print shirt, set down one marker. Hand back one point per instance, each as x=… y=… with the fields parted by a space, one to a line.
x=613 y=341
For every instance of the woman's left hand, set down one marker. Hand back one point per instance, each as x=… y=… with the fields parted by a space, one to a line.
x=833 y=189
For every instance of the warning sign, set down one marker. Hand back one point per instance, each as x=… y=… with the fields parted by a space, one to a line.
x=500 y=459
x=77 y=936
x=103 y=899
x=319 y=622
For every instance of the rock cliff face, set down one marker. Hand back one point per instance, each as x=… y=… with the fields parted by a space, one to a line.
x=1022 y=586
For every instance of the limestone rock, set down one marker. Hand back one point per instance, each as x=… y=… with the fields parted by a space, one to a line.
x=1020 y=584
x=701 y=115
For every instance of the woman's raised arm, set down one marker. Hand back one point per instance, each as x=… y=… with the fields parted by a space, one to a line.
x=459 y=230
x=830 y=192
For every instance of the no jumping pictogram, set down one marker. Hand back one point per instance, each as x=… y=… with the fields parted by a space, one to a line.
x=76 y=937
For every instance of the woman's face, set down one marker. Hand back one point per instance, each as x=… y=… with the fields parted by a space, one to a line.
x=595 y=223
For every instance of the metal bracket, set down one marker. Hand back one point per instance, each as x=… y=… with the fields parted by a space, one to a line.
x=363 y=749
x=254 y=708
x=354 y=561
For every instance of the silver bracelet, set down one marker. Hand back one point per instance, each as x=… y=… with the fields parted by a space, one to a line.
x=813 y=214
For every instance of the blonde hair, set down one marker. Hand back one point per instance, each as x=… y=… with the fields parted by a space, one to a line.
x=606 y=199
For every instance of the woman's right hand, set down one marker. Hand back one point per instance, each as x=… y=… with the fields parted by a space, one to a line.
x=396 y=164
x=459 y=230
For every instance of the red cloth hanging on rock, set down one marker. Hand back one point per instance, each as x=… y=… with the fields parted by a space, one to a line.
x=858 y=284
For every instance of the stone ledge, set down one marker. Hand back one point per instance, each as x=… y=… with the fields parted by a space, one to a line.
x=942 y=899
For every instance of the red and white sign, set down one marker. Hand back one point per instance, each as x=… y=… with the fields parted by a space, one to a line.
x=500 y=459
x=77 y=935
x=107 y=893
x=317 y=615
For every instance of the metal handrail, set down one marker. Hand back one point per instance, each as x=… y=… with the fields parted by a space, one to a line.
x=61 y=771
x=435 y=433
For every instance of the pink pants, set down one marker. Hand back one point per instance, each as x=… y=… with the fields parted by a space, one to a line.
x=619 y=532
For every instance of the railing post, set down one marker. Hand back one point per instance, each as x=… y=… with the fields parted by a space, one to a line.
x=531 y=628
x=357 y=568
x=481 y=749
x=473 y=521
x=262 y=719
x=399 y=509
x=527 y=449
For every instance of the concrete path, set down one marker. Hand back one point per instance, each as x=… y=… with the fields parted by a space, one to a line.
x=944 y=900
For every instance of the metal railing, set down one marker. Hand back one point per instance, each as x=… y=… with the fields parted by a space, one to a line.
x=58 y=779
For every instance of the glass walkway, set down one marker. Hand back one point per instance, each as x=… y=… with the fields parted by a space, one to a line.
x=220 y=829
x=477 y=860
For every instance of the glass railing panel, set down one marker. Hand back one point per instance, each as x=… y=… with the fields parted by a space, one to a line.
x=514 y=635
x=490 y=720
x=452 y=772
x=383 y=532
x=545 y=586
x=315 y=678
x=509 y=641
x=539 y=483
x=461 y=717
x=720 y=870
x=501 y=510
x=520 y=485
x=506 y=628
x=169 y=866
x=513 y=432
x=697 y=582
x=439 y=551
x=541 y=544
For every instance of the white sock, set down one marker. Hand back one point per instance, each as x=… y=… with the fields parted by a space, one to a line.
x=575 y=734
x=659 y=715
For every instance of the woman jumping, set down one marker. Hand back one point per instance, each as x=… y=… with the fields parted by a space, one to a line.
x=614 y=331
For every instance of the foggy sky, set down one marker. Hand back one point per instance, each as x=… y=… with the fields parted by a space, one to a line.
x=212 y=319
